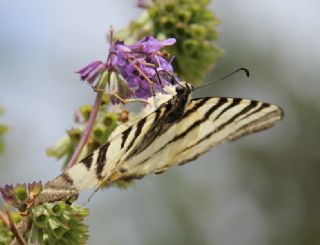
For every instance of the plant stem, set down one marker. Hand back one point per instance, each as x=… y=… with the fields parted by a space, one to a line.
x=4 y=219
x=14 y=229
x=92 y=118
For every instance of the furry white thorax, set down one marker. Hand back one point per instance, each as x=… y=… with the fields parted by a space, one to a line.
x=160 y=98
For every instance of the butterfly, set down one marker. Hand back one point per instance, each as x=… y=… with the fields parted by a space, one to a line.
x=178 y=131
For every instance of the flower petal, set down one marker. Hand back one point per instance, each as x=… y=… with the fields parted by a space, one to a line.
x=90 y=72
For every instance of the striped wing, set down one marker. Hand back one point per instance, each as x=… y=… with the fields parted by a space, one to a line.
x=206 y=123
x=175 y=133
x=92 y=171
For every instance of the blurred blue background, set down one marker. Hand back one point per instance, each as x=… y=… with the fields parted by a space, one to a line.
x=263 y=189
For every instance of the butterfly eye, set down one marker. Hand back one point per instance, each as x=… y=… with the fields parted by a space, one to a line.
x=180 y=89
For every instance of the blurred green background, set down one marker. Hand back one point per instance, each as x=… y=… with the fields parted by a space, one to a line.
x=263 y=189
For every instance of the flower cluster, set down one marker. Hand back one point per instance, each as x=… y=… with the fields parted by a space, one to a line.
x=141 y=65
x=58 y=223
x=193 y=25
x=50 y=223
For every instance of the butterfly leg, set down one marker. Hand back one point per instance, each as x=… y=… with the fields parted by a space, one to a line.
x=150 y=84
x=122 y=100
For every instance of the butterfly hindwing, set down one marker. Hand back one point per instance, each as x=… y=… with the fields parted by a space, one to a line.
x=102 y=163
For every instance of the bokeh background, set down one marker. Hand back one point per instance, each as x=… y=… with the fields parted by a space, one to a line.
x=263 y=189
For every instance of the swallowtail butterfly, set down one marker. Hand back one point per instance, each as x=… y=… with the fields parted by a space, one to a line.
x=178 y=131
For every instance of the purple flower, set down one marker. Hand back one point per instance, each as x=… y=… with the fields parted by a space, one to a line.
x=150 y=45
x=164 y=64
x=119 y=54
x=90 y=72
x=8 y=194
x=140 y=64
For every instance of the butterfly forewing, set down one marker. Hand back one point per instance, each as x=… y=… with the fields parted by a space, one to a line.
x=206 y=123
x=236 y=118
x=178 y=131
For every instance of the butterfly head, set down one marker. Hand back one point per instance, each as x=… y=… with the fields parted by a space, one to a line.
x=183 y=88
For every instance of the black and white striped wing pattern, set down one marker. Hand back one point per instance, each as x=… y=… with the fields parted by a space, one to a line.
x=179 y=131
x=91 y=171
x=205 y=123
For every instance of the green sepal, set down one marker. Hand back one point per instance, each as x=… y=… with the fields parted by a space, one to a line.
x=36 y=235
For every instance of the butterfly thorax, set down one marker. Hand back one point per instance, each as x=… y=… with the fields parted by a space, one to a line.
x=178 y=103
x=166 y=115
x=168 y=93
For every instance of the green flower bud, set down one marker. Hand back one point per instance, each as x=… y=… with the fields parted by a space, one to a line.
x=61 y=148
x=85 y=111
x=169 y=7
x=166 y=22
x=75 y=135
x=98 y=131
x=20 y=192
x=190 y=46
x=180 y=29
x=105 y=100
x=198 y=31
x=184 y=15
x=109 y=119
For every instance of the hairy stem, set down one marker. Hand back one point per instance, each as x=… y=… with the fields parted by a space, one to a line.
x=4 y=219
x=14 y=229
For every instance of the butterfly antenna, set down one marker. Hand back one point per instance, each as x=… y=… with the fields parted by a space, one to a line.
x=226 y=76
x=173 y=77
x=175 y=80
x=158 y=76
